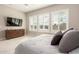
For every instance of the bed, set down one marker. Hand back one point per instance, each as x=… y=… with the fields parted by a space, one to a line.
x=39 y=45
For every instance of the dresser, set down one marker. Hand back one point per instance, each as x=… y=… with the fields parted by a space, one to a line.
x=14 y=33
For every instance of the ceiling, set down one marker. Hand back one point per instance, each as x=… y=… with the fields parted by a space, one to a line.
x=27 y=7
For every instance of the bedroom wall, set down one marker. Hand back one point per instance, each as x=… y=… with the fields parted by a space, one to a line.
x=73 y=13
x=8 y=12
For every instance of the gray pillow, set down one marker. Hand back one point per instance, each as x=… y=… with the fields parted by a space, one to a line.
x=69 y=41
x=67 y=30
x=75 y=51
x=56 y=38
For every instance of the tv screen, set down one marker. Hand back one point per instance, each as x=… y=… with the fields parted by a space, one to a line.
x=14 y=21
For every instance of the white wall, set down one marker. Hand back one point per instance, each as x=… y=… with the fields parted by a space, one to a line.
x=9 y=12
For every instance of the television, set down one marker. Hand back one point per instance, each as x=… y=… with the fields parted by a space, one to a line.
x=14 y=21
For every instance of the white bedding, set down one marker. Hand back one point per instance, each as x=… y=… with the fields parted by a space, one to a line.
x=39 y=45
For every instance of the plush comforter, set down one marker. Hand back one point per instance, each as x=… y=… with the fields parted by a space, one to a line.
x=38 y=45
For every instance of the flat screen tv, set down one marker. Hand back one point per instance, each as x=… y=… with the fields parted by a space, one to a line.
x=14 y=21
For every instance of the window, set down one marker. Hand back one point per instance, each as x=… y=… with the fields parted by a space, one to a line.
x=33 y=23
x=59 y=20
x=63 y=20
x=54 y=21
x=43 y=22
x=49 y=22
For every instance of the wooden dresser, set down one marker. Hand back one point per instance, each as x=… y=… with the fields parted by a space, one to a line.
x=14 y=33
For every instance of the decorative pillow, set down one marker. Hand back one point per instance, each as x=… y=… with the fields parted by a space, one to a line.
x=56 y=38
x=68 y=30
x=69 y=41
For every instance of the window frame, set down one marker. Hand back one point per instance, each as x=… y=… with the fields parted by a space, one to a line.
x=67 y=23
x=30 y=29
x=43 y=18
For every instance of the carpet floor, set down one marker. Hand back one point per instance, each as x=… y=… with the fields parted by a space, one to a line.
x=8 y=46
